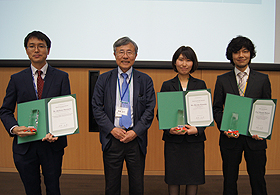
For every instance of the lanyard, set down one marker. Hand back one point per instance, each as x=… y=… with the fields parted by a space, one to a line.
x=243 y=92
x=121 y=96
x=34 y=84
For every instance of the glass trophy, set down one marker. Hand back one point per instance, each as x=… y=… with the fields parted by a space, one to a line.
x=180 y=120
x=233 y=124
x=33 y=120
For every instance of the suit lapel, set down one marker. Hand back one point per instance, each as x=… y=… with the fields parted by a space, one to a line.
x=48 y=81
x=112 y=85
x=192 y=83
x=175 y=84
x=250 y=82
x=136 y=87
x=29 y=83
x=233 y=82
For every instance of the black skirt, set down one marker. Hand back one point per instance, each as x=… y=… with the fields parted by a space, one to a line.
x=184 y=163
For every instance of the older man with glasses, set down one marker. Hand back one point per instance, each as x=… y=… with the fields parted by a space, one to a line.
x=123 y=106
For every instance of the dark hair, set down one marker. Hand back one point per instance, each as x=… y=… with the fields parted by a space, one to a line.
x=124 y=41
x=187 y=52
x=39 y=35
x=236 y=44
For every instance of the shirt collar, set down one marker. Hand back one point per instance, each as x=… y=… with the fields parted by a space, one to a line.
x=43 y=69
x=237 y=71
x=129 y=72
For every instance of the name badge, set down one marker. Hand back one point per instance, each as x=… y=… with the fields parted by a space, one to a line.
x=121 y=111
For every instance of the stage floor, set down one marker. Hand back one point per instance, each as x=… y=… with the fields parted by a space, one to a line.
x=75 y=184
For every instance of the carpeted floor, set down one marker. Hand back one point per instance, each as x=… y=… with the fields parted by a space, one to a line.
x=10 y=184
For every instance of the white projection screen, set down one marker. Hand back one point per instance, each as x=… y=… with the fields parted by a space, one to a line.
x=87 y=29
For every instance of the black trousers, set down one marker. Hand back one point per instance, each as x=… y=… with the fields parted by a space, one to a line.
x=113 y=159
x=28 y=165
x=255 y=161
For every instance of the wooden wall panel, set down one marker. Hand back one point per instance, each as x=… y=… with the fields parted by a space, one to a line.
x=273 y=145
x=6 y=154
x=84 y=154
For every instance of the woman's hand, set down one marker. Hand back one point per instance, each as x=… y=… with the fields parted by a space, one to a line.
x=187 y=129
x=177 y=131
x=231 y=135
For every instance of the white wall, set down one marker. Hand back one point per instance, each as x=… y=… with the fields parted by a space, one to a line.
x=87 y=29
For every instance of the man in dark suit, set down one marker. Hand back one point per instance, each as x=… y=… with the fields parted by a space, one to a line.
x=23 y=87
x=251 y=84
x=123 y=123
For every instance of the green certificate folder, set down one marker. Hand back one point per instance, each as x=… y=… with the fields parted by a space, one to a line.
x=194 y=105
x=57 y=116
x=252 y=116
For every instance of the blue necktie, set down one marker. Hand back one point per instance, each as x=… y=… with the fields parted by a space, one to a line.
x=125 y=120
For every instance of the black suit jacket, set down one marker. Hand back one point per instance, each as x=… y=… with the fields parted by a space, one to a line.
x=104 y=103
x=21 y=89
x=173 y=85
x=258 y=86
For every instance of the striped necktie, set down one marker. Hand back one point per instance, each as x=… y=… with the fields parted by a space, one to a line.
x=242 y=83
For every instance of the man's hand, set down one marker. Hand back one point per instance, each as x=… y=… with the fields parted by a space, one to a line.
x=50 y=138
x=118 y=133
x=130 y=135
x=191 y=130
x=23 y=131
x=256 y=137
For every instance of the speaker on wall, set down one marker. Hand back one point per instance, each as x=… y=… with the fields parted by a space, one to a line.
x=93 y=76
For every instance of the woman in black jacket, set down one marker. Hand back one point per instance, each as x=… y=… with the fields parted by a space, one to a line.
x=184 y=149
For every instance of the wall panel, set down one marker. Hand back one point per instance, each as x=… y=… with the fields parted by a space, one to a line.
x=83 y=154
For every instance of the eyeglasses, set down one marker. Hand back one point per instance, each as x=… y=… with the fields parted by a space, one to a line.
x=128 y=53
x=39 y=47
